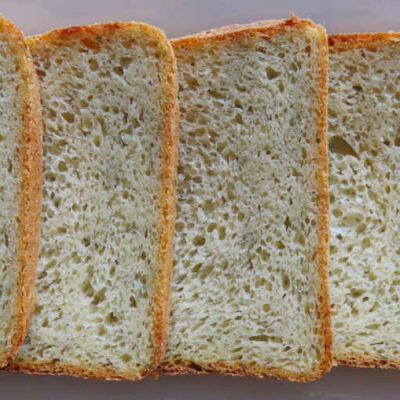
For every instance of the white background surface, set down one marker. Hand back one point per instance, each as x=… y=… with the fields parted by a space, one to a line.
x=179 y=17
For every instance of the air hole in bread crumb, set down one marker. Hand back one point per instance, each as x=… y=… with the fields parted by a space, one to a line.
x=126 y=358
x=118 y=70
x=199 y=241
x=266 y=307
x=197 y=267
x=62 y=166
x=97 y=141
x=132 y=301
x=102 y=330
x=179 y=226
x=221 y=233
x=397 y=141
x=41 y=73
x=285 y=282
x=339 y=146
x=337 y=213
x=265 y=256
x=111 y=318
x=69 y=117
x=206 y=271
x=191 y=116
x=272 y=73
x=356 y=293
x=83 y=104
x=87 y=288
x=216 y=95
x=93 y=65
x=99 y=297
x=366 y=242
x=361 y=228
x=259 y=338
x=209 y=206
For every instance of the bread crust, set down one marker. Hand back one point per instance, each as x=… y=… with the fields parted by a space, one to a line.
x=339 y=43
x=171 y=139
x=160 y=305
x=30 y=190
x=268 y=29
x=346 y=41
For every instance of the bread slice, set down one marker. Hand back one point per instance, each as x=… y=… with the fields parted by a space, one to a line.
x=20 y=193
x=364 y=142
x=110 y=152
x=249 y=294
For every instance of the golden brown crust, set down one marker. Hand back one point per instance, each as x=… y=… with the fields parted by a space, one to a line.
x=339 y=43
x=30 y=192
x=347 y=41
x=322 y=256
x=87 y=34
x=268 y=29
x=237 y=369
x=171 y=138
x=78 y=370
x=365 y=361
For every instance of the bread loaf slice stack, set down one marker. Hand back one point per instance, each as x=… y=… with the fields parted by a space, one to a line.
x=20 y=192
x=110 y=149
x=364 y=143
x=249 y=294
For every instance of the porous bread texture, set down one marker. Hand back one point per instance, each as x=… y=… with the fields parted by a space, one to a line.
x=364 y=144
x=20 y=192
x=109 y=98
x=249 y=293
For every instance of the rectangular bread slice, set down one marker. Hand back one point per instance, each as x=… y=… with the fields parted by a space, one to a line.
x=109 y=98
x=364 y=144
x=249 y=294
x=20 y=192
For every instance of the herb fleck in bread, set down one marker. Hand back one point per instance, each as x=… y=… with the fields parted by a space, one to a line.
x=364 y=143
x=109 y=105
x=249 y=294
x=20 y=193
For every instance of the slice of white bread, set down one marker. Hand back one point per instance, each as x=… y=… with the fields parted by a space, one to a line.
x=109 y=98
x=20 y=192
x=249 y=293
x=364 y=143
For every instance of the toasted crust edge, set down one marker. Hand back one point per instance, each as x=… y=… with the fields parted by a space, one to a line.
x=339 y=43
x=168 y=213
x=167 y=218
x=270 y=28
x=346 y=41
x=31 y=191
x=365 y=361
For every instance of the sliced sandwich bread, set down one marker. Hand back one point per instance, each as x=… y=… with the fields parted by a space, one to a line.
x=110 y=152
x=364 y=144
x=20 y=192
x=249 y=293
